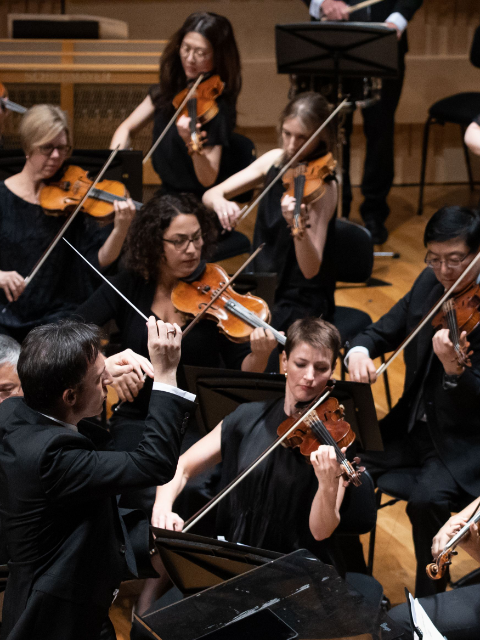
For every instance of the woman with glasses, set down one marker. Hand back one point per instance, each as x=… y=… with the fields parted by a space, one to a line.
x=26 y=231
x=205 y=44
x=167 y=240
x=435 y=425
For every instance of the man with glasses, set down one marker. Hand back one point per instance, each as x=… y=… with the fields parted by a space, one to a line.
x=435 y=425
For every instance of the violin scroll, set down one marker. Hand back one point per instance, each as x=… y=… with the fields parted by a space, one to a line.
x=436 y=570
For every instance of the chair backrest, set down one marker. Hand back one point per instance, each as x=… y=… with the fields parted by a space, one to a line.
x=475 y=50
x=359 y=508
x=240 y=153
x=353 y=252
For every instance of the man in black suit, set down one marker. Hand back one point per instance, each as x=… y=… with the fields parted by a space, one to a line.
x=435 y=425
x=379 y=118
x=68 y=546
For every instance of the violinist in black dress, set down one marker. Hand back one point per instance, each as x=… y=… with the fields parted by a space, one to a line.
x=434 y=426
x=26 y=231
x=304 y=262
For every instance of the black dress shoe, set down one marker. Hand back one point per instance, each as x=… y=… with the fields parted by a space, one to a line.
x=378 y=230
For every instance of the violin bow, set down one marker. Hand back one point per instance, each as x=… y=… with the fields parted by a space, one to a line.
x=295 y=157
x=226 y=490
x=13 y=106
x=70 y=219
x=173 y=118
x=428 y=317
x=221 y=290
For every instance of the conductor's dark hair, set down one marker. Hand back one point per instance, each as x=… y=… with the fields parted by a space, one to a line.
x=450 y=223
x=144 y=247
x=56 y=357
x=226 y=59
x=316 y=332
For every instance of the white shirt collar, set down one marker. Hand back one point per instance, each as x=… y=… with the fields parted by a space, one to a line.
x=72 y=427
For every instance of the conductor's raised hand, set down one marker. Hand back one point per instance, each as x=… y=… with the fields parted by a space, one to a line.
x=361 y=368
x=164 y=347
x=128 y=371
x=335 y=10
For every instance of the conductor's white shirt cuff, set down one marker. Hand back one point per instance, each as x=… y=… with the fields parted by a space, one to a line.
x=398 y=20
x=160 y=386
x=315 y=8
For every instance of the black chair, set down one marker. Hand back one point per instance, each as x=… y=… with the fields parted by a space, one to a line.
x=461 y=109
x=353 y=264
x=240 y=153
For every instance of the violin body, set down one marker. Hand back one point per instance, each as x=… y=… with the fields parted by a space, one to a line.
x=200 y=109
x=63 y=196
x=467 y=310
x=191 y=297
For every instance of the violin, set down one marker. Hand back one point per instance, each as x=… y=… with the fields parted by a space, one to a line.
x=437 y=569
x=200 y=108
x=460 y=313
x=5 y=103
x=306 y=183
x=237 y=315
x=324 y=425
x=61 y=196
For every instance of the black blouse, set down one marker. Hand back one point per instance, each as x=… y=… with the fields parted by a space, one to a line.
x=63 y=282
x=295 y=295
x=204 y=346
x=270 y=508
x=171 y=159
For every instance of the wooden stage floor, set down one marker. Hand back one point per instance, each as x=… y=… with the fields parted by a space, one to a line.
x=394 y=564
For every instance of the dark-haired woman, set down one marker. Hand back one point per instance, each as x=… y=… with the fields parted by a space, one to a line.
x=205 y=44
x=166 y=242
x=304 y=263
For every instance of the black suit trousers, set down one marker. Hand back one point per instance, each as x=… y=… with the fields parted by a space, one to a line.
x=435 y=495
x=456 y=614
x=379 y=130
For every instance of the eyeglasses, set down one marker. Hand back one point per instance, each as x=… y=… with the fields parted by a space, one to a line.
x=198 y=54
x=450 y=263
x=181 y=243
x=48 y=149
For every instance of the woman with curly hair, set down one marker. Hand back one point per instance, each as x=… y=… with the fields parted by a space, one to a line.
x=166 y=242
x=205 y=44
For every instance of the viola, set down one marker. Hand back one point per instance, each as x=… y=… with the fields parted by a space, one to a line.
x=324 y=425
x=306 y=183
x=61 y=196
x=237 y=315
x=200 y=108
x=460 y=313
x=5 y=103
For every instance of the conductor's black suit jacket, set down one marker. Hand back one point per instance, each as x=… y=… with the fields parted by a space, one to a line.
x=453 y=415
x=59 y=513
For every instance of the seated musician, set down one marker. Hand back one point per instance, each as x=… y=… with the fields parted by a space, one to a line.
x=9 y=381
x=434 y=426
x=285 y=503
x=67 y=545
x=167 y=240
x=304 y=262
x=472 y=136
x=204 y=44
x=26 y=231
x=456 y=613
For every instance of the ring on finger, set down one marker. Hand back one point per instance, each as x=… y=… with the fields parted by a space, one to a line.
x=174 y=331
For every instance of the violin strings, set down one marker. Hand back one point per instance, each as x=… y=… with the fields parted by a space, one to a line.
x=321 y=430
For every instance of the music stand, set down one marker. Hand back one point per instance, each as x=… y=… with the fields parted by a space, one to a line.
x=307 y=596
x=220 y=391
x=337 y=50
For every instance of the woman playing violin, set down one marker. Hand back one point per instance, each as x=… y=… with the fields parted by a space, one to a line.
x=166 y=242
x=26 y=231
x=306 y=280
x=205 y=44
x=285 y=503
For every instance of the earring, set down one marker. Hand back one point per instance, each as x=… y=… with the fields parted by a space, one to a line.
x=286 y=374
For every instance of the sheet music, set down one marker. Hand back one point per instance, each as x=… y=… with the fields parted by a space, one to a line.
x=423 y=626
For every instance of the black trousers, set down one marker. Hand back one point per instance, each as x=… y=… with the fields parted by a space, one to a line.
x=456 y=614
x=379 y=131
x=435 y=495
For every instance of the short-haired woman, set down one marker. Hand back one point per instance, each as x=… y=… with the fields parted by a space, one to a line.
x=26 y=231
